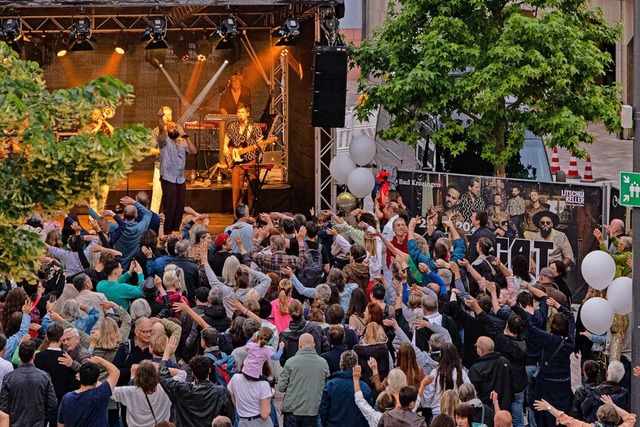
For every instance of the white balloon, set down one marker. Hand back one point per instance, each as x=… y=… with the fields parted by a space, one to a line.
x=597 y=315
x=619 y=295
x=361 y=182
x=362 y=149
x=598 y=269
x=340 y=167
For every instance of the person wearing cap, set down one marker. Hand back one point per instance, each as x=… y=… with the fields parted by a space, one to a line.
x=547 y=222
x=223 y=246
x=547 y=283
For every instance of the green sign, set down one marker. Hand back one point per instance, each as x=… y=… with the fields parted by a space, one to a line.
x=630 y=189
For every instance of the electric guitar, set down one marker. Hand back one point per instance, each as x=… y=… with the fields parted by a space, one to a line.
x=237 y=155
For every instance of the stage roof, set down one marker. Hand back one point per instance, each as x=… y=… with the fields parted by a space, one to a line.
x=109 y=16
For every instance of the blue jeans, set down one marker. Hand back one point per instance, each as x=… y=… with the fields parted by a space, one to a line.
x=531 y=369
x=517 y=409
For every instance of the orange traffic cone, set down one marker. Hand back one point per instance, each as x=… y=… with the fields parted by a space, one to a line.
x=555 y=161
x=588 y=172
x=573 y=168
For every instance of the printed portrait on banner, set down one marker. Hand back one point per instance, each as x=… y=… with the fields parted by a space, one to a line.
x=544 y=222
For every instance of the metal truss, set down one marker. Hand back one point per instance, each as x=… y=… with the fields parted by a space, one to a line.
x=116 y=20
x=327 y=32
x=326 y=191
x=280 y=103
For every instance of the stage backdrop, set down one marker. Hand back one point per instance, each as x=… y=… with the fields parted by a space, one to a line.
x=511 y=205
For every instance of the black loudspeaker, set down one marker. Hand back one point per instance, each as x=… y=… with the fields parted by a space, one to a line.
x=329 y=86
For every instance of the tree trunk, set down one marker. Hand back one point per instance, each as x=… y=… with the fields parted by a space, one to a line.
x=499 y=168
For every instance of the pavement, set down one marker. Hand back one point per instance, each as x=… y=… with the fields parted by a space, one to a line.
x=609 y=156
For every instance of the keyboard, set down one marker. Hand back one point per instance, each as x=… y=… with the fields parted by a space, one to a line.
x=200 y=126
x=258 y=166
x=221 y=118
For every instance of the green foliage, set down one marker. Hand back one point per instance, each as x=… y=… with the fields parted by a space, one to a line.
x=507 y=69
x=36 y=172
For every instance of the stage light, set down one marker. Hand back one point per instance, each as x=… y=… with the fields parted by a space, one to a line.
x=121 y=44
x=36 y=51
x=11 y=32
x=156 y=57
x=203 y=49
x=228 y=31
x=181 y=49
x=81 y=35
x=156 y=32
x=288 y=32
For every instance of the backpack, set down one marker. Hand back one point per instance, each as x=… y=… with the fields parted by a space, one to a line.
x=311 y=272
x=225 y=368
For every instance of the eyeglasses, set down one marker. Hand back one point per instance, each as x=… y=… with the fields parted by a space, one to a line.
x=147 y=331
x=546 y=223
x=503 y=223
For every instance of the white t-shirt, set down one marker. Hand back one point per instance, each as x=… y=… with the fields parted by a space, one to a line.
x=248 y=394
x=5 y=368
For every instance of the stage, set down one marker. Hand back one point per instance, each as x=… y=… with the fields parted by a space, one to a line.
x=216 y=198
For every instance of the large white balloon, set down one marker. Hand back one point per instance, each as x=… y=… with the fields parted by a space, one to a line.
x=362 y=149
x=598 y=269
x=619 y=295
x=340 y=167
x=361 y=182
x=597 y=315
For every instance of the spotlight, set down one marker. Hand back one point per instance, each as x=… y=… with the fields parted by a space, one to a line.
x=155 y=33
x=288 y=32
x=81 y=35
x=60 y=47
x=36 y=51
x=11 y=31
x=121 y=44
x=227 y=31
x=181 y=49
x=203 y=49
x=156 y=57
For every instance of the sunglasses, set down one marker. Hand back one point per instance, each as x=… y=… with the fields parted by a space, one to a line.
x=503 y=223
x=546 y=223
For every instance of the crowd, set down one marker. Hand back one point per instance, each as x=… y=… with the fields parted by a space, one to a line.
x=358 y=319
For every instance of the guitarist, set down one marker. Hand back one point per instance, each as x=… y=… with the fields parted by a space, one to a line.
x=242 y=134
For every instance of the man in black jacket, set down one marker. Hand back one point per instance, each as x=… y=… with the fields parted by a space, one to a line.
x=27 y=393
x=491 y=372
x=194 y=404
x=297 y=327
x=610 y=387
x=511 y=344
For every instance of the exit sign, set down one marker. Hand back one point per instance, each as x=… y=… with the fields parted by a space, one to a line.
x=630 y=189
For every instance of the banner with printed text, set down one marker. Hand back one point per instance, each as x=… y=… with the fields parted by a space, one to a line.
x=543 y=222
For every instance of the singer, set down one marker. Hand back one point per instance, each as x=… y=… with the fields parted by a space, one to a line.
x=241 y=135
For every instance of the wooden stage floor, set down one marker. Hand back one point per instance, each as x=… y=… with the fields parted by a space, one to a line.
x=215 y=198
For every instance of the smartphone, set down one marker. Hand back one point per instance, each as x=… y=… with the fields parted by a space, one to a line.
x=445 y=218
x=52 y=298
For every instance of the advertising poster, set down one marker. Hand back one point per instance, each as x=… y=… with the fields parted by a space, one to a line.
x=543 y=222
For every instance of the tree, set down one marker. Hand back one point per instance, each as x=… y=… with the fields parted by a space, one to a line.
x=491 y=69
x=36 y=172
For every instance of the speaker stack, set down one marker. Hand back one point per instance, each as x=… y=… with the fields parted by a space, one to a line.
x=329 y=86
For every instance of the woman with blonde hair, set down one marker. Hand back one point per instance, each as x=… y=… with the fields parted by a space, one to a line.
x=231 y=266
x=449 y=401
x=279 y=310
x=395 y=381
x=173 y=280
